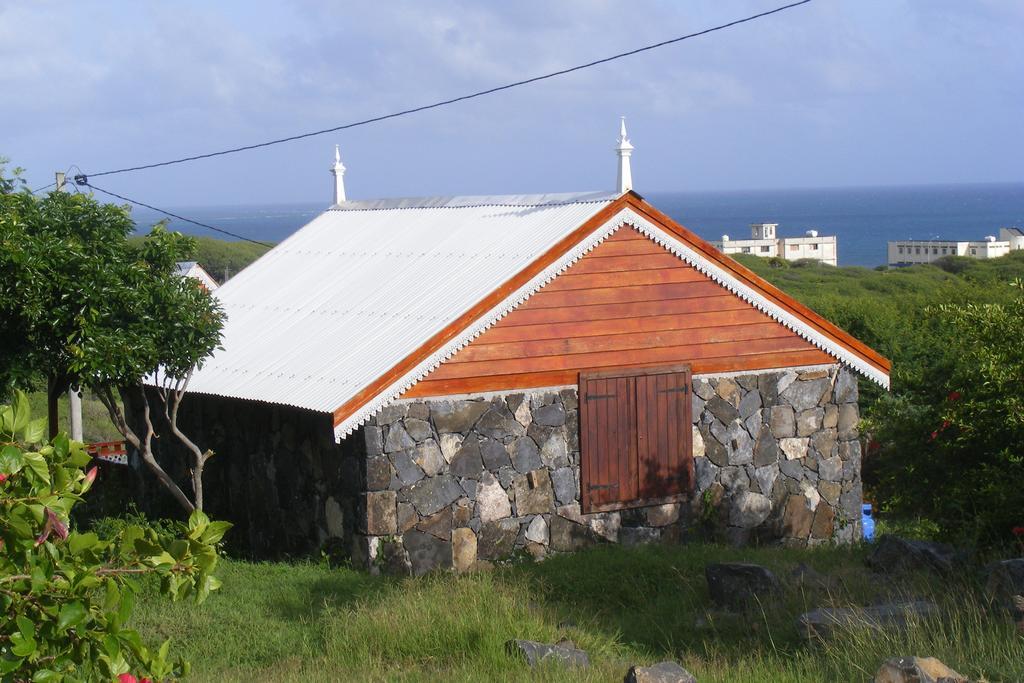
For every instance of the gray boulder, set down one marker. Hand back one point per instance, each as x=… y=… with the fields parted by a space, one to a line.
x=1004 y=581
x=917 y=670
x=895 y=554
x=825 y=621
x=663 y=672
x=564 y=653
x=739 y=585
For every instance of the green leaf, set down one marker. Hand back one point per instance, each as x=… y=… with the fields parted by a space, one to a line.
x=22 y=646
x=11 y=460
x=71 y=614
x=79 y=543
x=22 y=412
x=46 y=676
x=25 y=627
x=215 y=532
x=38 y=465
x=35 y=432
x=7 y=421
x=62 y=445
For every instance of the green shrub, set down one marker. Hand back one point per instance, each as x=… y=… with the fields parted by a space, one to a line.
x=66 y=596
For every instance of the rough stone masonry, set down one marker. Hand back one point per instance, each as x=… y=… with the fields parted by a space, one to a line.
x=460 y=483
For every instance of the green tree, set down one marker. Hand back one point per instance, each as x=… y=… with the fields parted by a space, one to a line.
x=66 y=596
x=86 y=307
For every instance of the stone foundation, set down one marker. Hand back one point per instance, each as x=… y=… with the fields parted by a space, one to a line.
x=460 y=483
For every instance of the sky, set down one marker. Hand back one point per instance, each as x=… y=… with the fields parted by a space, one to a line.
x=830 y=94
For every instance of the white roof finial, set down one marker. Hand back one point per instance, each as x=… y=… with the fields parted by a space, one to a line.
x=338 y=171
x=624 y=150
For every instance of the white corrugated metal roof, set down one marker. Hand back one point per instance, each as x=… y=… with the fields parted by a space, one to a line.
x=363 y=285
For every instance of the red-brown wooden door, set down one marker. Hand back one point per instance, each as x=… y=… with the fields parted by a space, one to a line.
x=635 y=437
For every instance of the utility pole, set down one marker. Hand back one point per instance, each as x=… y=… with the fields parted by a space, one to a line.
x=74 y=397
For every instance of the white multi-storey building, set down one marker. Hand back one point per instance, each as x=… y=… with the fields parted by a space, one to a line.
x=913 y=252
x=763 y=242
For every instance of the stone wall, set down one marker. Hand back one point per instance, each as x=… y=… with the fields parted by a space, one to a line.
x=465 y=482
x=277 y=474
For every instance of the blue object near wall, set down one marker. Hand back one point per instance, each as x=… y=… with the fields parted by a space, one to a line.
x=867 y=521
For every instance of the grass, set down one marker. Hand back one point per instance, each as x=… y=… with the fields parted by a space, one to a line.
x=96 y=424
x=290 y=622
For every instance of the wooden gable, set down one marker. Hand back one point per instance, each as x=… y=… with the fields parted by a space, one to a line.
x=629 y=303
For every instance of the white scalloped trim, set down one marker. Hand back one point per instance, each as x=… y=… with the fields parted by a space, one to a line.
x=625 y=216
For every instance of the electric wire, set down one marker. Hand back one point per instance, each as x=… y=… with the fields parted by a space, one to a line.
x=173 y=215
x=435 y=105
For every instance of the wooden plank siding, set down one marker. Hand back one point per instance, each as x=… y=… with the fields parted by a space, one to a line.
x=628 y=303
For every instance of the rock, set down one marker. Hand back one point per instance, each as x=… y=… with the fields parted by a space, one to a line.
x=698 y=442
x=830 y=469
x=846 y=387
x=663 y=672
x=765 y=478
x=571 y=511
x=824 y=442
x=812 y=374
x=374 y=437
x=749 y=404
x=809 y=421
x=662 y=515
x=716 y=452
x=497 y=539
x=525 y=455
x=431 y=495
x=782 y=421
x=456 y=416
x=522 y=413
x=805 y=394
x=1003 y=581
x=754 y=424
x=463 y=549
x=917 y=670
x=831 y=416
x=555 y=452
x=407 y=517
x=728 y=390
x=740 y=585
x=564 y=482
x=568 y=536
x=703 y=388
x=606 y=525
x=438 y=525
x=406 y=468
x=847 y=422
x=418 y=411
x=552 y=415
x=797 y=518
x=334 y=518
x=398 y=439
x=696 y=406
x=794 y=449
x=826 y=621
x=426 y=552
x=469 y=486
x=393 y=559
x=378 y=472
x=537 y=531
x=706 y=471
x=468 y=463
x=723 y=411
x=533 y=493
x=391 y=413
x=450 y=445
x=506 y=475
x=895 y=554
x=492 y=502
x=784 y=381
x=378 y=516
x=428 y=456
x=823 y=524
x=419 y=430
x=734 y=479
x=638 y=535
x=829 y=491
x=749 y=510
x=497 y=422
x=766 y=449
x=740 y=446
x=535 y=653
x=494 y=455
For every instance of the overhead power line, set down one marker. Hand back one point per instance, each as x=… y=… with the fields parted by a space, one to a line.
x=435 y=105
x=86 y=183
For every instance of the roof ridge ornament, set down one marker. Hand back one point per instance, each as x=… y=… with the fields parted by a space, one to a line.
x=338 y=171
x=624 y=149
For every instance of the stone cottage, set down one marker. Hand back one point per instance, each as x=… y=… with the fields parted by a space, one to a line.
x=448 y=382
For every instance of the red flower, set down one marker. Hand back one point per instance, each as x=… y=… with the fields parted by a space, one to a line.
x=945 y=424
x=954 y=396
x=3 y=477
x=934 y=436
x=127 y=678
x=1018 y=531
x=90 y=476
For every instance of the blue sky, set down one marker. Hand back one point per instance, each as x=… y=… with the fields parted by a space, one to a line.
x=834 y=93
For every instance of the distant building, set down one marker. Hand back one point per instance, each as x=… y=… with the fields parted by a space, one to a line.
x=763 y=242
x=194 y=270
x=914 y=252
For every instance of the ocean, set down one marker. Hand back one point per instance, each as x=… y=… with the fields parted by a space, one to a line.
x=863 y=219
